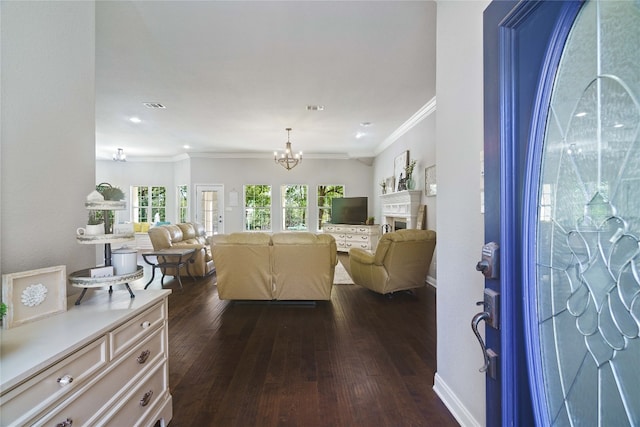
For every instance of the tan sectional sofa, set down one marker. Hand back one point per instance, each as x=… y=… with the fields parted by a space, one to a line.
x=184 y=235
x=279 y=266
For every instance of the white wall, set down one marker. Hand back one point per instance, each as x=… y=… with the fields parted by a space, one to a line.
x=234 y=173
x=459 y=137
x=48 y=132
x=126 y=174
x=420 y=141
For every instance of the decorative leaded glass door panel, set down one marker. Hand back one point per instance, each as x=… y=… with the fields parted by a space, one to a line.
x=584 y=281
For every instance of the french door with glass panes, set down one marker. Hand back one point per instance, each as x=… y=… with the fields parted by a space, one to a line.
x=210 y=207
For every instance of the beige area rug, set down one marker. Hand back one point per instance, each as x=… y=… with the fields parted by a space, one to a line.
x=341 y=277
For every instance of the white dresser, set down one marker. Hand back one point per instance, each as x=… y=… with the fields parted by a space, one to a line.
x=103 y=362
x=354 y=236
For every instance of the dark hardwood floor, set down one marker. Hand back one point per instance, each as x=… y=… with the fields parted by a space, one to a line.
x=361 y=359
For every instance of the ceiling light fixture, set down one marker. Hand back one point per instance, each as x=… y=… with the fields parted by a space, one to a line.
x=119 y=156
x=288 y=160
x=135 y=120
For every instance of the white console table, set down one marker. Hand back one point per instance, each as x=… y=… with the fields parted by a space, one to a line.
x=354 y=236
x=100 y=363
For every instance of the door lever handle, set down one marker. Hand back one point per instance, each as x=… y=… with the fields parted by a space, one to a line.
x=474 y=327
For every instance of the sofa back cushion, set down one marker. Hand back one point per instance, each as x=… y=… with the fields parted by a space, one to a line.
x=188 y=232
x=175 y=233
x=243 y=267
x=303 y=265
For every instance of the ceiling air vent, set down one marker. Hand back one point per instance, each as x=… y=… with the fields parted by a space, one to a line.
x=153 y=105
x=315 y=107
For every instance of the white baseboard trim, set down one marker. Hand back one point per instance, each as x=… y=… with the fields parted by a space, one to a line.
x=455 y=406
x=432 y=281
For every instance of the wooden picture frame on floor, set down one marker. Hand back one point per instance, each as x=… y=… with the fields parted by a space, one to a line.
x=421 y=219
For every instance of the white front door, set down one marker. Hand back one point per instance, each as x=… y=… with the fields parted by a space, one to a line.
x=210 y=207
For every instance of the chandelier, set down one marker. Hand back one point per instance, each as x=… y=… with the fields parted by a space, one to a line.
x=119 y=156
x=288 y=160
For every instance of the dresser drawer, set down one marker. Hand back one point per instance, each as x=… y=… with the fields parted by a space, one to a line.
x=152 y=391
x=136 y=329
x=31 y=397
x=358 y=238
x=360 y=245
x=89 y=407
x=341 y=244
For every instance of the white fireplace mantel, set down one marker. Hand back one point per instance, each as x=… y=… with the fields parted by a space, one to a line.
x=401 y=206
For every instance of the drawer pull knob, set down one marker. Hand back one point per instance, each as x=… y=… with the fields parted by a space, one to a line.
x=145 y=324
x=146 y=398
x=143 y=357
x=64 y=381
x=66 y=423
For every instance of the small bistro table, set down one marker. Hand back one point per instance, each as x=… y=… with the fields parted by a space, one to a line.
x=170 y=257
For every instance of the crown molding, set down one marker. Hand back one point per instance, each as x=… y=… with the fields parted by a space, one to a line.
x=263 y=155
x=425 y=111
x=365 y=157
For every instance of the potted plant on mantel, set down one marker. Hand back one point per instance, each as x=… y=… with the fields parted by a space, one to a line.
x=411 y=184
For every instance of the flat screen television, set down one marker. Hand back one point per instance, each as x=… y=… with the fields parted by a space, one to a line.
x=349 y=210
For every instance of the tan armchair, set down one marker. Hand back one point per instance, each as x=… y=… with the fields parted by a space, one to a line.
x=401 y=261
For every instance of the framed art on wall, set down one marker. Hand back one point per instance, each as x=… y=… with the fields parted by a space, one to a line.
x=35 y=294
x=399 y=164
x=430 y=185
x=390 y=184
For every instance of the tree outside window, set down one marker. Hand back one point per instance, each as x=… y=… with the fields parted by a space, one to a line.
x=183 y=203
x=294 y=207
x=325 y=194
x=147 y=202
x=257 y=207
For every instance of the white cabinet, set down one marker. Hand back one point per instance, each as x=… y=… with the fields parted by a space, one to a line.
x=104 y=362
x=354 y=236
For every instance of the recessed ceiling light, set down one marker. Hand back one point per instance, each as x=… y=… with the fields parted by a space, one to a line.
x=315 y=107
x=186 y=147
x=360 y=135
x=153 y=105
x=618 y=125
x=581 y=114
x=135 y=120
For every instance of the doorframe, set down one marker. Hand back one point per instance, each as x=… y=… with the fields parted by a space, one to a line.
x=512 y=90
x=221 y=204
